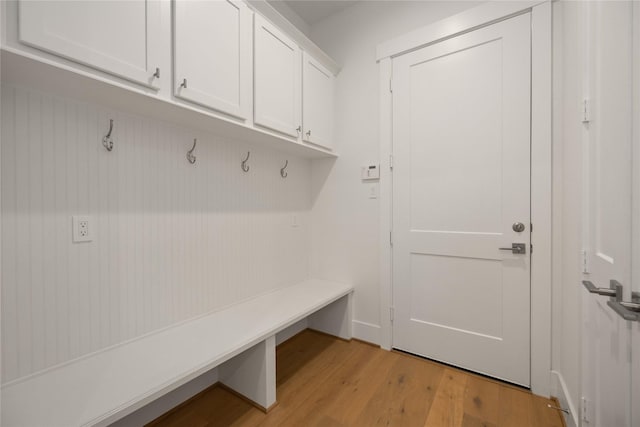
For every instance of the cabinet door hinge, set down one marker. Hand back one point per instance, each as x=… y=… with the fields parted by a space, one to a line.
x=391 y=313
x=391 y=85
x=391 y=238
x=390 y=161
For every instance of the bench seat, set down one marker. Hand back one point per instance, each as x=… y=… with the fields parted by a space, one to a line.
x=106 y=386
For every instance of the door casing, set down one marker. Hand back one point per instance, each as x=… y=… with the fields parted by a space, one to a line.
x=541 y=164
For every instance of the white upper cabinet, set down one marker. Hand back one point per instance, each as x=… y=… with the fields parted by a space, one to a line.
x=117 y=37
x=277 y=70
x=317 y=103
x=212 y=55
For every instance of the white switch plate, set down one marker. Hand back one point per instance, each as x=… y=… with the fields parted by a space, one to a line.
x=370 y=172
x=82 y=229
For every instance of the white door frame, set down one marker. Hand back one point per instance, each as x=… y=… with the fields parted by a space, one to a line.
x=541 y=164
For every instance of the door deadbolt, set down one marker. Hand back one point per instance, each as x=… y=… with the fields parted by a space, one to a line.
x=518 y=227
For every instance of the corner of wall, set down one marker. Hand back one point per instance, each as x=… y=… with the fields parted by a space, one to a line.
x=561 y=392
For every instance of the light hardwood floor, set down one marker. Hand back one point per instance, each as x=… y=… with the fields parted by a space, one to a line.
x=324 y=381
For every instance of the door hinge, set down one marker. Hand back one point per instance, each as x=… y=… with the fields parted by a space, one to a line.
x=586 y=111
x=391 y=238
x=391 y=85
x=390 y=161
x=530 y=227
x=585 y=261
x=391 y=313
x=585 y=407
x=530 y=248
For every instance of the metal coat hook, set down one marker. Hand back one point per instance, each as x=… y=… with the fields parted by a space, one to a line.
x=106 y=140
x=190 y=156
x=245 y=166
x=283 y=173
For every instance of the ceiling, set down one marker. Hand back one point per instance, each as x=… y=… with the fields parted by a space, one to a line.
x=312 y=11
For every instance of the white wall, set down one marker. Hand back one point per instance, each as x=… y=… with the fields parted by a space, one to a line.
x=568 y=199
x=171 y=240
x=345 y=220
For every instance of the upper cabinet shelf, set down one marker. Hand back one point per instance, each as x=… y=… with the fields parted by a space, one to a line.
x=219 y=66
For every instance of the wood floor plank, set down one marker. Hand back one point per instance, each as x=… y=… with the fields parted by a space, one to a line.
x=351 y=384
x=481 y=401
x=405 y=396
x=447 y=409
x=324 y=381
x=515 y=408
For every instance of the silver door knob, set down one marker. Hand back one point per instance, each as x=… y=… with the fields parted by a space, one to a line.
x=516 y=248
x=518 y=227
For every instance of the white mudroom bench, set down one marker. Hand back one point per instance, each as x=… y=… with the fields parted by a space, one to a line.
x=239 y=341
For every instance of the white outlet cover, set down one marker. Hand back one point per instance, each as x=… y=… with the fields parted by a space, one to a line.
x=82 y=228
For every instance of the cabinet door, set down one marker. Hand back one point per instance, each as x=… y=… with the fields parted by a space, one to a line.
x=317 y=103
x=212 y=54
x=118 y=37
x=277 y=70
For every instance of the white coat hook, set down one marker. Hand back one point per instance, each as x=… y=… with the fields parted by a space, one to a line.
x=245 y=166
x=190 y=157
x=106 y=140
x=283 y=172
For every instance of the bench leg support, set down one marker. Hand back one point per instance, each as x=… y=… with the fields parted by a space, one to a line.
x=334 y=319
x=252 y=373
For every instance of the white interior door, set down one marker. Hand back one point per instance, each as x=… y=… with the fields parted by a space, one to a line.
x=119 y=37
x=317 y=103
x=461 y=147
x=606 y=336
x=212 y=54
x=277 y=79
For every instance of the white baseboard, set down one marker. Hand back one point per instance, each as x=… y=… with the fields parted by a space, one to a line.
x=565 y=400
x=169 y=401
x=366 y=332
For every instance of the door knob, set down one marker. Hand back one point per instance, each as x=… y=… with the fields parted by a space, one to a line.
x=613 y=291
x=516 y=248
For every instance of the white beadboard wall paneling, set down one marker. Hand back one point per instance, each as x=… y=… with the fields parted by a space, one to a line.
x=171 y=240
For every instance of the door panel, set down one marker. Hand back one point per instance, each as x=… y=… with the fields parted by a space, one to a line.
x=606 y=336
x=461 y=178
x=68 y=29
x=212 y=52
x=317 y=103
x=277 y=79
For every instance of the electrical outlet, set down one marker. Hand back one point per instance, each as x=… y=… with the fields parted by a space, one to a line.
x=81 y=229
